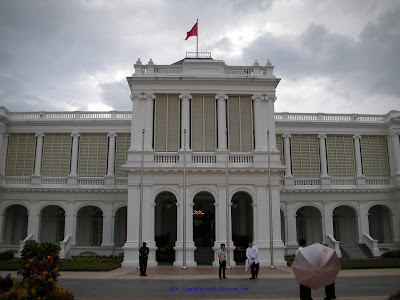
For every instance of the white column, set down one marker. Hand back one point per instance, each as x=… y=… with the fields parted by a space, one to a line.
x=148 y=136
x=38 y=160
x=148 y=224
x=364 y=222
x=33 y=220
x=185 y=119
x=3 y=151
x=271 y=120
x=328 y=221
x=111 y=154
x=291 y=239
x=286 y=151
x=394 y=157
x=221 y=100
x=261 y=214
x=2 y=224
x=138 y=121
x=107 y=226
x=131 y=247
x=70 y=222
x=259 y=129
x=322 y=151
x=74 y=155
x=357 y=155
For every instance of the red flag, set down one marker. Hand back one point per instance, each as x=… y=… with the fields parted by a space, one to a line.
x=192 y=32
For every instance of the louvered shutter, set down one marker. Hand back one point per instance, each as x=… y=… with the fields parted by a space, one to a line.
x=279 y=147
x=305 y=156
x=160 y=123
x=123 y=143
x=203 y=123
x=374 y=155
x=173 y=123
x=92 y=159
x=56 y=154
x=234 y=124
x=340 y=155
x=197 y=123
x=21 y=154
x=210 y=125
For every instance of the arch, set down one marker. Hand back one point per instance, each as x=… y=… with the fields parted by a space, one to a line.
x=118 y=207
x=345 y=224
x=165 y=226
x=120 y=225
x=309 y=224
x=52 y=223
x=387 y=205
x=242 y=225
x=204 y=189
x=16 y=203
x=47 y=204
x=16 y=223
x=89 y=225
x=315 y=205
x=244 y=190
x=380 y=223
x=79 y=207
x=165 y=189
x=351 y=205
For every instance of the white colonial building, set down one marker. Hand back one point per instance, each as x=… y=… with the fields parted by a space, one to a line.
x=75 y=177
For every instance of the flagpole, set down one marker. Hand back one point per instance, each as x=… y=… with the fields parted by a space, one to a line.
x=271 y=229
x=141 y=193
x=228 y=263
x=197 y=46
x=184 y=201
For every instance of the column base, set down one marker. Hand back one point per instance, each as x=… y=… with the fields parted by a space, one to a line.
x=190 y=247
x=264 y=253
x=326 y=180
x=72 y=180
x=360 y=181
x=289 y=181
x=131 y=254
x=110 y=180
x=35 y=179
x=217 y=247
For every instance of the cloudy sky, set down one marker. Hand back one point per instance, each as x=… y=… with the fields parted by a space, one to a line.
x=336 y=56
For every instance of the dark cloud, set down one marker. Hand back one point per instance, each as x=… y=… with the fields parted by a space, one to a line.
x=116 y=94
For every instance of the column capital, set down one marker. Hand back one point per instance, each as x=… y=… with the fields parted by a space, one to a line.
x=221 y=97
x=112 y=134
x=185 y=96
x=286 y=135
x=258 y=97
x=39 y=134
x=3 y=131
x=75 y=134
x=322 y=136
x=357 y=136
x=136 y=96
x=270 y=98
x=393 y=134
x=149 y=96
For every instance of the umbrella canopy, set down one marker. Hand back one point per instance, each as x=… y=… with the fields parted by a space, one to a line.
x=247 y=264
x=316 y=266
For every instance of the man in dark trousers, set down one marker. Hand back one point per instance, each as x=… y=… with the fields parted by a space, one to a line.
x=143 y=257
x=330 y=292
x=305 y=291
x=222 y=253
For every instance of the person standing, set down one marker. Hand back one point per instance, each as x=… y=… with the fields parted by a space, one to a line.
x=305 y=291
x=222 y=254
x=143 y=257
x=252 y=255
x=330 y=292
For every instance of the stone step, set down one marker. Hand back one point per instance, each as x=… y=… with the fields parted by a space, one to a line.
x=204 y=256
x=355 y=251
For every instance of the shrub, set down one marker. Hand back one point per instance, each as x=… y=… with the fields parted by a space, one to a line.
x=391 y=254
x=395 y=296
x=5 y=283
x=96 y=258
x=6 y=255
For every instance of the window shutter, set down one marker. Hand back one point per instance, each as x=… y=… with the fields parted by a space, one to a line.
x=203 y=123
x=246 y=124
x=160 y=123
x=210 y=124
x=374 y=155
x=340 y=155
x=197 y=123
x=173 y=123
x=21 y=154
x=305 y=156
x=93 y=150
x=234 y=123
x=279 y=147
x=56 y=154
x=123 y=143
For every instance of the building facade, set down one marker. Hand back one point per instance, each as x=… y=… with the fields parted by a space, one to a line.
x=210 y=130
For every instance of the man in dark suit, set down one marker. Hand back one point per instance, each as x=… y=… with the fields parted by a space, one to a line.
x=143 y=257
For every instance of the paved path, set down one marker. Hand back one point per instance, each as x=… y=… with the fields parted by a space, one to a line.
x=202 y=282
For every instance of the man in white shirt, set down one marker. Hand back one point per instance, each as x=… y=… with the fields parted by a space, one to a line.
x=252 y=254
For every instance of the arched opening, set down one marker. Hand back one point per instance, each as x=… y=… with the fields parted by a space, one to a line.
x=203 y=228
x=283 y=227
x=90 y=226
x=120 y=225
x=16 y=224
x=242 y=224
x=165 y=227
x=52 y=224
x=309 y=224
x=380 y=227
x=345 y=225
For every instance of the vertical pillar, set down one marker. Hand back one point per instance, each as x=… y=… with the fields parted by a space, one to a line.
x=74 y=154
x=325 y=179
x=2 y=226
x=33 y=223
x=148 y=136
x=291 y=239
x=328 y=221
x=357 y=154
x=271 y=120
x=70 y=222
x=221 y=100
x=38 y=157
x=149 y=224
x=138 y=121
x=3 y=151
x=131 y=246
x=185 y=118
x=364 y=222
x=261 y=211
x=259 y=129
x=107 y=226
x=394 y=156
x=111 y=154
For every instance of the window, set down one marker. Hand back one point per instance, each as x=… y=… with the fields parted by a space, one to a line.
x=374 y=156
x=123 y=143
x=204 y=124
x=340 y=155
x=92 y=159
x=56 y=154
x=21 y=154
x=305 y=156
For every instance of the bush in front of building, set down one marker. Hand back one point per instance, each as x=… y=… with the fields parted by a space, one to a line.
x=395 y=296
x=391 y=254
x=6 y=255
x=5 y=283
x=96 y=258
x=39 y=268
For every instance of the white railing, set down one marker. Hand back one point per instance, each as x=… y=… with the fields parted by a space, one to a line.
x=372 y=245
x=91 y=181
x=330 y=117
x=204 y=158
x=17 y=180
x=121 y=181
x=236 y=158
x=166 y=158
x=334 y=244
x=54 y=180
x=343 y=181
x=65 y=246
x=377 y=181
x=23 y=242
x=168 y=70
x=307 y=181
x=112 y=115
x=201 y=54
x=239 y=71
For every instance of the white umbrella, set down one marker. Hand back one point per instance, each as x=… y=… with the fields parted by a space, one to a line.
x=248 y=264
x=316 y=266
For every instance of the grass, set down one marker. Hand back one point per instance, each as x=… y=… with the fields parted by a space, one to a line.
x=371 y=263
x=13 y=265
